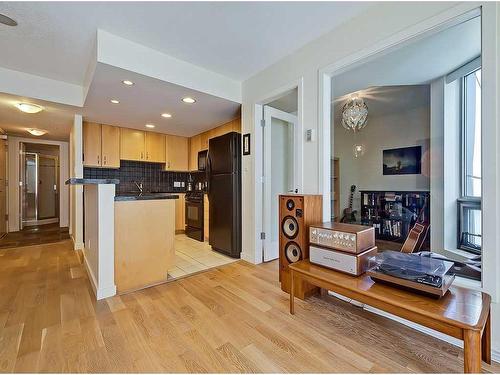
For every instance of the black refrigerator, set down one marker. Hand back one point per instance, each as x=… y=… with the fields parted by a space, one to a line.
x=224 y=193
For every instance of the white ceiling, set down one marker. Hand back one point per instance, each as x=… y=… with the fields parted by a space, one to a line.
x=287 y=103
x=236 y=39
x=419 y=62
x=147 y=99
x=55 y=118
x=387 y=100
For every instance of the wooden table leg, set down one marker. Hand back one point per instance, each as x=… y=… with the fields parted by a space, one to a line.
x=472 y=351
x=486 y=341
x=292 y=293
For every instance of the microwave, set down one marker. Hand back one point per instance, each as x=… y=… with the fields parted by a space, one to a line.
x=202 y=160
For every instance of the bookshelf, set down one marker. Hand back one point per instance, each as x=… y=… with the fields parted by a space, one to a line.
x=335 y=189
x=393 y=213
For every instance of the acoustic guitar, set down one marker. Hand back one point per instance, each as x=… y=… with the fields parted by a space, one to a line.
x=417 y=234
x=349 y=214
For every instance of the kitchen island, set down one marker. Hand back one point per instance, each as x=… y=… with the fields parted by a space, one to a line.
x=144 y=239
x=128 y=238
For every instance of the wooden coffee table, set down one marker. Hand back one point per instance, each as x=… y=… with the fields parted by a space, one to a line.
x=462 y=313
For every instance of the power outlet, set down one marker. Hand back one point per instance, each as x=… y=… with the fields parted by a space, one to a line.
x=177 y=184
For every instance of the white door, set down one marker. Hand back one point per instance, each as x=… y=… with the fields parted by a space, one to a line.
x=282 y=171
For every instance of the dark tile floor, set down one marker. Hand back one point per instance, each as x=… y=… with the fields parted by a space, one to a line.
x=35 y=235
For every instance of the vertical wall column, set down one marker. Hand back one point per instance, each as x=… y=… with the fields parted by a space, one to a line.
x=76 y=191
x=99 y=251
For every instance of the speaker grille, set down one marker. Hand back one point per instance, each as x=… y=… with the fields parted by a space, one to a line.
x=293 y=252
x=290 y=227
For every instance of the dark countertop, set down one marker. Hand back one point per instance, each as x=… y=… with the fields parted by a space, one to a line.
x=91 y=181
x=144 y=196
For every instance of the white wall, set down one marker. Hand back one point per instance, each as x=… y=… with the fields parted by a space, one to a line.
x=14 y=205
x=409 y=127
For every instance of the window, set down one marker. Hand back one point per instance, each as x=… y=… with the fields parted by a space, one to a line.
x=471 y=130
x=469 y=205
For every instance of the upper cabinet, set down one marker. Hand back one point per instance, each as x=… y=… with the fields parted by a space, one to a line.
x=155 y=147
x=110 y=146
x=200 y=142
x=132 y=144
x=177 y=153
x=194 y=148
x=91 y=144
x=101 y=145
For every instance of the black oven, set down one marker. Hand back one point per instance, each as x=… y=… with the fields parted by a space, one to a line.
x=194 y=215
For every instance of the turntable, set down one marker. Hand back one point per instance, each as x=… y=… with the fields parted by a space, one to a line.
x=420 y=274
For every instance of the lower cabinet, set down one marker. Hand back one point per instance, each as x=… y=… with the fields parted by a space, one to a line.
x=206 y=212
x=180 y=214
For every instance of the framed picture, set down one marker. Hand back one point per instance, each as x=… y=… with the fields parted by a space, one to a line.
x=246 y=144
x=407 y=160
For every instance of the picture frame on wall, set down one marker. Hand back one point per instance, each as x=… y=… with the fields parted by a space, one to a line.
x=246 y=144
x=401 y=161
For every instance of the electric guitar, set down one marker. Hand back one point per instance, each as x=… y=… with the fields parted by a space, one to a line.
x=417 y=234
x=349 y=214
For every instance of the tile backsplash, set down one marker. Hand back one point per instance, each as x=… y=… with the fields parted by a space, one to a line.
x=152 y=176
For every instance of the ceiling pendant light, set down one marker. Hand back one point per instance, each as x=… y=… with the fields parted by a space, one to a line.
x=36 y=132
x=354 y=114
x=5 y=20
x=29 y=108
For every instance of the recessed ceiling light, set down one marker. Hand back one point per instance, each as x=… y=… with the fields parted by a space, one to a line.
x=188 y=100
x=127 y=82
x=29 y=108
x=114 y=101
x=37 y=132
x=7 y=20
x=166 y=115
x=151 y=126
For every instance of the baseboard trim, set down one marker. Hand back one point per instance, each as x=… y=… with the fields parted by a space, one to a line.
x=77 y=245
x=93 y=282
x=99 y=292
x=495 y=354
x=106 y=292
x=246 y=257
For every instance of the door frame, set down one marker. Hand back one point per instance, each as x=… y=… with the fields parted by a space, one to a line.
x=490 y=133
x=268 y=114
x=258 y=154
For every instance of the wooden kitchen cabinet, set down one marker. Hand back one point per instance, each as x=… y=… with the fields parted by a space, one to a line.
x=91 y=144
x=194 y=148
x=110 y=146
x=132 y=144
x=177 y=153
x=204 y=137
x=155 y=147
x=180 y=214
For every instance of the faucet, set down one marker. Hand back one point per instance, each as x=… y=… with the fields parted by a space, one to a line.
x=139 y=186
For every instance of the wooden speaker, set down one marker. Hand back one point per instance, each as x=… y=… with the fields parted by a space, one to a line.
x=296 y=214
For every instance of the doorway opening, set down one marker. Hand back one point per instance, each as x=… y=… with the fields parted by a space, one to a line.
x=39 y=193
x=391 y=167
x=281 y=165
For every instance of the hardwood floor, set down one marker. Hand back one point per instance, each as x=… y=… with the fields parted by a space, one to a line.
x=34 y=235
x=231 y=319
